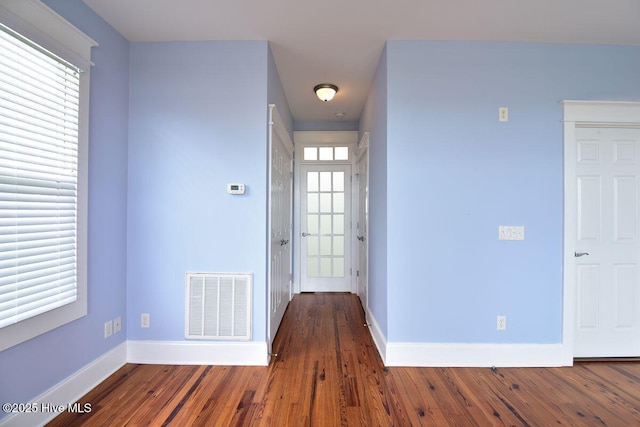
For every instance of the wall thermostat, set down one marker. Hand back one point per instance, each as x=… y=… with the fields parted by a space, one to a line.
x=235 y=188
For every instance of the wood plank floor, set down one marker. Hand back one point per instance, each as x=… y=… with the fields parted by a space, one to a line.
x=328 y=373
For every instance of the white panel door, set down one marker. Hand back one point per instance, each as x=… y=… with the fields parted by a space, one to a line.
x=325 y=220
x=607 y=244
x=362 y=228
x=280 y=200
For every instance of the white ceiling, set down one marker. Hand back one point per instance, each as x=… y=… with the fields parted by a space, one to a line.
x=340 y=41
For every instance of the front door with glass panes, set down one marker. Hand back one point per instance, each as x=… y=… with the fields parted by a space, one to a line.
x=325 y=202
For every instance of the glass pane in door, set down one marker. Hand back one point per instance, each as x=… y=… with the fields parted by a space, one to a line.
x=326 y=224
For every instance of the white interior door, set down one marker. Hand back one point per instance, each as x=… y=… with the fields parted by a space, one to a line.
x=362 y=227
x=325 y=221
x=607 y=244
x=280 y=200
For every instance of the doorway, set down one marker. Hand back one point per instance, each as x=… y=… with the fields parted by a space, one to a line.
x=325 y=209
x=325 y=218
x=602 y=232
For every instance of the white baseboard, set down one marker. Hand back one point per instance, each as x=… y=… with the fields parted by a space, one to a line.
x=255 y=354
x=473 y=355
x=198 y=353
x=80 y=383
x=70 y=390
x=463 y=355
x=378 y=337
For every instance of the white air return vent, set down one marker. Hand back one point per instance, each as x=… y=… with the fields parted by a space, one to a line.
x=218 y=306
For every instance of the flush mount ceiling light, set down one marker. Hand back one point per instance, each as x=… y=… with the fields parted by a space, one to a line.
x=325 y=91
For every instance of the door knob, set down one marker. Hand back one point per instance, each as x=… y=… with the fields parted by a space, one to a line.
x=579 y=254
x=305 y=234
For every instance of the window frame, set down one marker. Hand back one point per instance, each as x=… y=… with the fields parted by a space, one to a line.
x=37 y=22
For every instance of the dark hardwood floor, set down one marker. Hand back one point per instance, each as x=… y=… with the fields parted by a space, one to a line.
x=328 y=373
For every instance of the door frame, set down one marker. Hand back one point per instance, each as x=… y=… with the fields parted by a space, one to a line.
x=319 y=138
x=362 y=155
x=276 y=126
x=582 y=114
x=330 y=283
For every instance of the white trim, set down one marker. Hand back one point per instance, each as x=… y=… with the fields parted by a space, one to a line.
x=363 y=146
x=325 y=137
x=376 y=334
x=582 y=114
x=72 y=388
x=362 y=155
x=568 y=279
x=39 y=23
x=473 y=355
x=463 y=355
x=197 y=353
x=318 y=138
x=44 y=26
x=601 y=112
x=276 y=125
x=78 y=384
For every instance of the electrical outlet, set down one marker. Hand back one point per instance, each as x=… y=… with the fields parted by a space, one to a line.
x=502 y=323
x=503 y=114
x=108 y=329
x=117 y=324
x=144 y=320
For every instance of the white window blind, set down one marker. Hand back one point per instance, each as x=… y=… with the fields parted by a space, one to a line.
x=39 y=116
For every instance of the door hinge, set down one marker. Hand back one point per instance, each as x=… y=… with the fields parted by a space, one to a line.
x=358 y=273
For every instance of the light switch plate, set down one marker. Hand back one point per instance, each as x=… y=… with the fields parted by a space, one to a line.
x=511 y=232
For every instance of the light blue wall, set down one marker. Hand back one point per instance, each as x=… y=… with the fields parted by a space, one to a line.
x=27 y=370
x=454 y=174
x=197 y=122
x=374 y=121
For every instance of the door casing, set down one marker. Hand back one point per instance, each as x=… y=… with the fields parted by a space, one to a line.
x=320 y=138
x=577 y=114
x=362 y=223
x=279 y=247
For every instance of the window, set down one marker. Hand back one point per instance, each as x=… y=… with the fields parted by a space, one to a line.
x=43 y=162
x=326 y=153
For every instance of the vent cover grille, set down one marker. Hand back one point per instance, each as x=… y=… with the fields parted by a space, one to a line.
x=218 y=306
